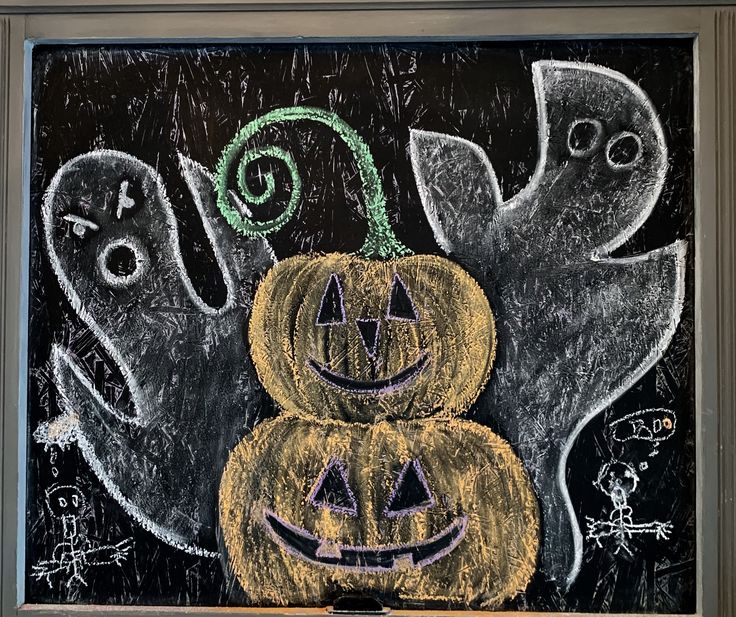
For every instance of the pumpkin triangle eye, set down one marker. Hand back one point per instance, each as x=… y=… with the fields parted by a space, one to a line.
x=400 y=305
x=332 y=490
x=410 y=492
x=331 y=309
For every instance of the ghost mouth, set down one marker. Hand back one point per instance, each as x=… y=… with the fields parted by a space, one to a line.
x=302 y=544
x=376 y=386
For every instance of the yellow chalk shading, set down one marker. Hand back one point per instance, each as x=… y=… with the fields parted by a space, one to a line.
x=455 y=332
x=471 y=472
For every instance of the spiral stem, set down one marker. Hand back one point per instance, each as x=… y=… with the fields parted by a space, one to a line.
x=380 y=242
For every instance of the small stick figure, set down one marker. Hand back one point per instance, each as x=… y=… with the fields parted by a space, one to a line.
x=619 y=480
x=76 y=552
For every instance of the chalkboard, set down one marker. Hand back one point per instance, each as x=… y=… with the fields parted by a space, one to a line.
x=411 y=322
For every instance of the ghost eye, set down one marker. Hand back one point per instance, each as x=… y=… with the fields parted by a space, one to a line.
x=62 y=502
x=624 y=150
x=123 y=262
x=584 y=137
x=410 y=492
x=81 y=227
x=332 y=491
x=129 y=195
x=400 y=305
x=331 y=309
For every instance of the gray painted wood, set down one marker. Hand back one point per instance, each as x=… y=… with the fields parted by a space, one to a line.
x=85 y=6
x=726 y=208
x=11 y=161
x=4 y=67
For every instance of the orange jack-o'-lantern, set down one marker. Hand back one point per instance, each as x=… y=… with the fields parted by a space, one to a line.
x=333 y=497
x=424 y=510
x=359 y=337
x=344 y=337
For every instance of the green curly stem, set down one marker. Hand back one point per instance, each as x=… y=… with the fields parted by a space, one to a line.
x=380 y=242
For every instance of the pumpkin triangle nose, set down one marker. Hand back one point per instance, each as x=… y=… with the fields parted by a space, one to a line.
x=368 y=329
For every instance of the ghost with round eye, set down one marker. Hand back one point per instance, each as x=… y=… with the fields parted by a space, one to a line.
x=112 y=242
x=576 y=327
x=426 y=509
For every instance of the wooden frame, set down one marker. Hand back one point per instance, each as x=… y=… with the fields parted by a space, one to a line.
x=713 y=30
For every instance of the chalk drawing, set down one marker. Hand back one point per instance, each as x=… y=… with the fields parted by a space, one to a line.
x=332 y=306
x=576 y=328
x=332 y=489
x=403 y=338
x=380 y=241
x=402 y=492
x=652 y=426
x=315 y=343
x=619 y=480
x=80 y=225
x=125 y=201
x=76 y=552
x=433 y=491
x=184 y=362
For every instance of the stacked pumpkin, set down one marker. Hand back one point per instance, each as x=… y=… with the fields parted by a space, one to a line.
x=368 y=482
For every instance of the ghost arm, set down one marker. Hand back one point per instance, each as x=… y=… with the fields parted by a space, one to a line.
x=117 y=450
x=457 y=186
x=601 y=167
x=238 y=257
x=594 y=330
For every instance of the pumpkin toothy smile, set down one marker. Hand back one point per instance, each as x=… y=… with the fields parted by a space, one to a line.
x=377 y=386
x=304 y=545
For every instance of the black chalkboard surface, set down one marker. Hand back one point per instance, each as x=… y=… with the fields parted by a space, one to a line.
x=402 y=321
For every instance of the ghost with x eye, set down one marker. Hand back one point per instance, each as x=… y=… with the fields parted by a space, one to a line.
x=112 y=241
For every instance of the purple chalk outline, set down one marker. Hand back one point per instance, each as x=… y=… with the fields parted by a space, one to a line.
x=378 y=386
x=457 y=529
x=398 y=280
x=373 y=352
x=317 y=322
x=352 y=510
x=399 y=481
